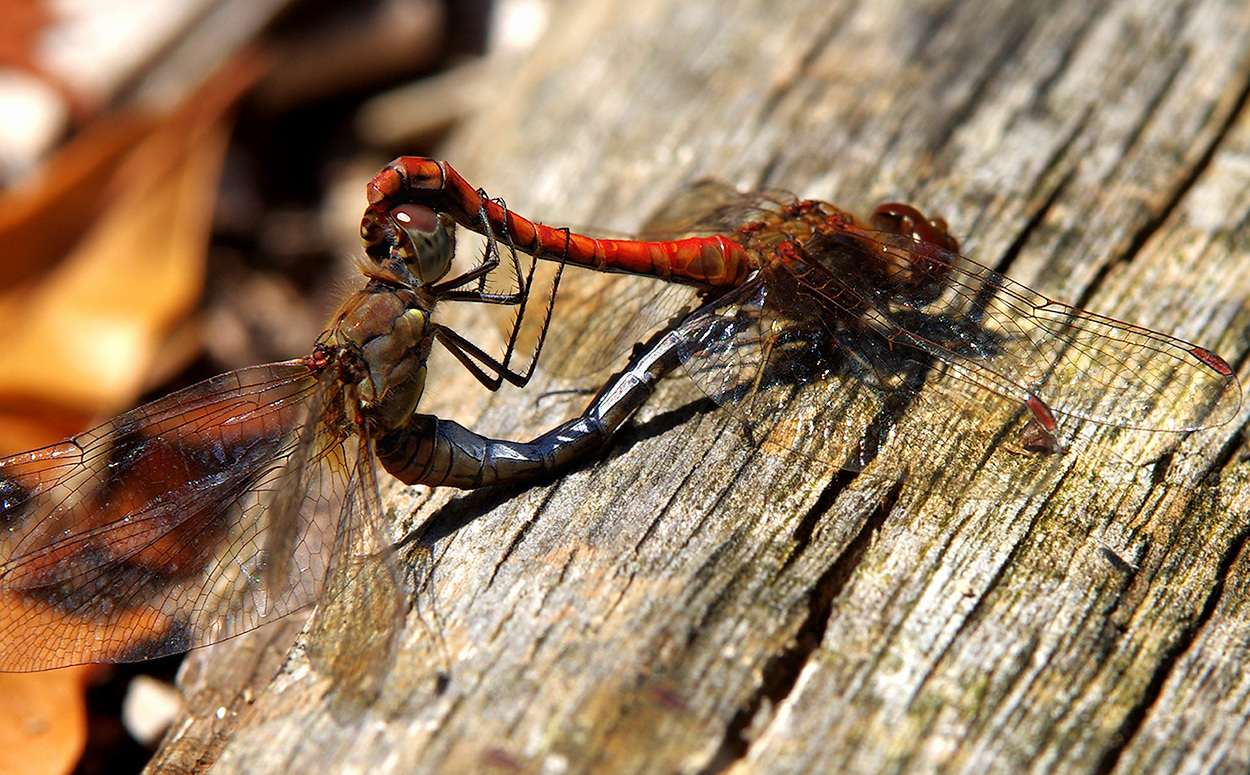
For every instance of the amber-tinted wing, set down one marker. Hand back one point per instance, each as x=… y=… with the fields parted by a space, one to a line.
x=183 y=522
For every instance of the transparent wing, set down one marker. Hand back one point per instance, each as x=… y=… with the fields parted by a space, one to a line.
x=803 y=384
x=710 y=207
x=600 y=317
x=183 y=522
x=857 y=325
x=1011 y=340
x=616 y=312
x=355 y=632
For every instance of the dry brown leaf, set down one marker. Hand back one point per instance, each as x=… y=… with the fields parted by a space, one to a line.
x=43 y=217
x=84 y=336
x=108 y=252
x=104 y=256
x=23 y=21
x=43 y=721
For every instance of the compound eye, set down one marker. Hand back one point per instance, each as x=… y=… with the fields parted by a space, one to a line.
x=430 y=235
x=907 y=221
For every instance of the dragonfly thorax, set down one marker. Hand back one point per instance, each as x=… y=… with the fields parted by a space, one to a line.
x=385 y=335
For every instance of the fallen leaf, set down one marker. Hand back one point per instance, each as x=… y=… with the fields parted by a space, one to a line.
x=104 y=252
x=43 y=720
x=19 y=35
x=107 y=254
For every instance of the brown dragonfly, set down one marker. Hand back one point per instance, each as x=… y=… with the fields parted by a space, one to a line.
x=800 y=293
x=226 y=505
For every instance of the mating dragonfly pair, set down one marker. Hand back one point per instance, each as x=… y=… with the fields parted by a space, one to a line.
x=218 y=508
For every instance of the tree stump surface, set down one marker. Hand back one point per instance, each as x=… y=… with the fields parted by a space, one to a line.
x=693 y=603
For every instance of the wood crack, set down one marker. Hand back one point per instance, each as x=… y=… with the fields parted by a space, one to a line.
x=782 y=671
x=1137 y=715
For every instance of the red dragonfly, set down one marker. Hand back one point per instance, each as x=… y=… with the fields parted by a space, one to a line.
x=795 y=286
x=223 y=506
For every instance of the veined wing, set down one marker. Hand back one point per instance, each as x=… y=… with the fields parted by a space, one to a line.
x=868 y=313
x=183 y=522
x=601 y=317
x=1007 y=338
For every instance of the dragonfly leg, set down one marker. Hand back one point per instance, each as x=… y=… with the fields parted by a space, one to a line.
x=426 y=244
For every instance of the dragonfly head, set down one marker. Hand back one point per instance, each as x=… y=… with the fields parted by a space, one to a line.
x=908 y=221
x=410 y=244
x=429 y=246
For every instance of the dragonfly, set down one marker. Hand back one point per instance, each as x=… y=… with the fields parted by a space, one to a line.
x=789 y=287
x=226 y=505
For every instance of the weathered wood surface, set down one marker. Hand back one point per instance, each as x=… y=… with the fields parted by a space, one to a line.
x=693 y=604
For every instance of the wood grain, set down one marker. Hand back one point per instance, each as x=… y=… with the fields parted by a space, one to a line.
x=696 y=604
